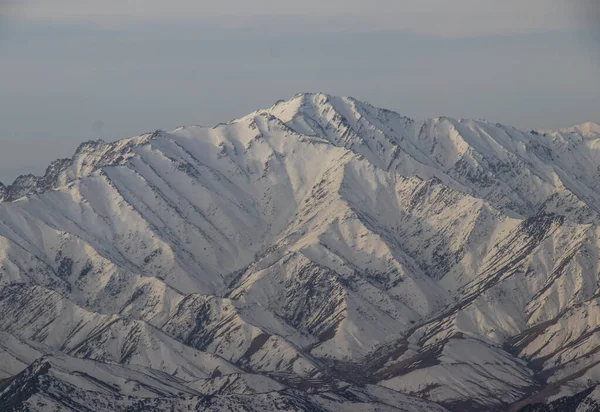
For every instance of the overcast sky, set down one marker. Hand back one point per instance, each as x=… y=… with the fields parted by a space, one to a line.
x=85 y=69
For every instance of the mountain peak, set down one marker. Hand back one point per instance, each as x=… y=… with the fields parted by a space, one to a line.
x=587 y=129
x=88 y=156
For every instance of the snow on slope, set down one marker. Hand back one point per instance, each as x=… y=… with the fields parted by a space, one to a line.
x=588 y=130
x=62 y=383
x=319 y=241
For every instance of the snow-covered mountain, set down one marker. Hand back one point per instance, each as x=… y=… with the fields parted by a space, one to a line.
x=322 y=254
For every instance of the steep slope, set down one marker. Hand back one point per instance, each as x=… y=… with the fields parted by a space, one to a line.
x=303 y=249
x=585 y=401
x=61 y=383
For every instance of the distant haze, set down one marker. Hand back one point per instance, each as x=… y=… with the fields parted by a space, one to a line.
x=80 y=70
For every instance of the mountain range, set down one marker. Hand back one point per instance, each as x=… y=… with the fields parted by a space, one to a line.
x=319 y=255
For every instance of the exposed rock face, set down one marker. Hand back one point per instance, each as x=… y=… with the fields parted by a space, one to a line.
x=585 y=401
x=322 y=254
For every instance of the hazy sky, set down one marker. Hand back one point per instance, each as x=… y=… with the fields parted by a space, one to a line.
x=85 y=69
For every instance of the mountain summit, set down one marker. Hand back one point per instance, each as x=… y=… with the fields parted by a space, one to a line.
x=589 y=130
x=322 y=254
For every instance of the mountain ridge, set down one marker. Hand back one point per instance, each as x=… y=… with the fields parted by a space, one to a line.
x=317 y=246
x=28 y=184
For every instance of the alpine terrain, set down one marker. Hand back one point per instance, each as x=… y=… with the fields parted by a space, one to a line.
x=319 y=255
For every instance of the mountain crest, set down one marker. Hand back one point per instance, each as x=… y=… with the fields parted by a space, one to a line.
x=322 y=254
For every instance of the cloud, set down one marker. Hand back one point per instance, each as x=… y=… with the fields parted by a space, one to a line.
x=436 y=17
